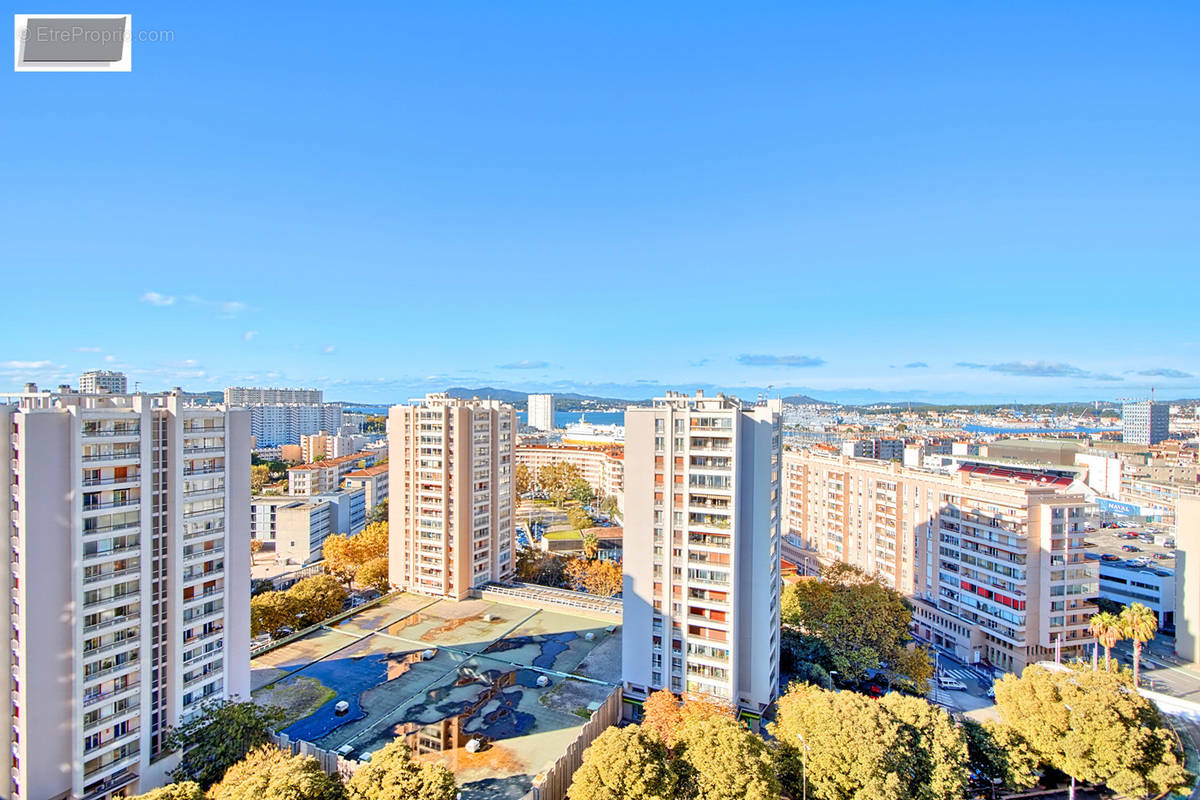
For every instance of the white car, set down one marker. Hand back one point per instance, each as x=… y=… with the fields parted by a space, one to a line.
x=947 y=682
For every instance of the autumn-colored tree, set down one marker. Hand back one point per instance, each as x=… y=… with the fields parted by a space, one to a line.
x=317 y=598
x=270 y=612
x=602 y=578
x=579 y=519
x=371 y=542
x=863 y=623
x=661 y=718
x=268 y=773
x=1138 y=623
x=1092 y=725
x=393 y=774
x=256 y=547
x=1106 y=627
x=339 y=558
x=522 y=479
x=718 y=758
x=187 y=790
x=374 y=574
x=624 y=764
x=259 y=475
x=939 y=761
x=219 y=737
x=698 y=706
x=537 y=566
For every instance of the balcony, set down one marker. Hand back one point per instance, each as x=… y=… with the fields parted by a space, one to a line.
x=188 y=472
x=124 y=619
x=126 y=503
x=103 y=555
x=120 y=526
x=204 y=595
x=204 y=655
x=116 y=669
x=116 y=455
x=109 y=433
x=199 y=452
x=212 y=574
x=89 y=482
x=132 y=641
x=103 y=576
x=207 y=512
x=200 y=555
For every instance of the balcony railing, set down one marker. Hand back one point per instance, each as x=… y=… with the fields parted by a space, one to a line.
x=103 y=576
x=116 y=455
x=109 y=481
x=124 y=619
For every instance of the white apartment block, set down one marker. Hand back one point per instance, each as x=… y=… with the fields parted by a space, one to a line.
x=602 y=467
x=540 y=408
x=127 y=584
x=102 y=381
x=701 y=551
x=256 y=396
x=295 y=528
x=280 y=424
x=372 y=480
x=451 y=526
x=330 y=445
x=993 y=559
x=1145 y=422
x=883 y=449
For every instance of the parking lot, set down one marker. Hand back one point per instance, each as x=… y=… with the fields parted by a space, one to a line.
x=1113 y=542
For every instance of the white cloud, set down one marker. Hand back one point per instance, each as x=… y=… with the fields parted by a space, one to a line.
x=87 y=349
x=156 y=299
x=28 y=364
x=329 y=349
x=248 y=336
x=110 y=359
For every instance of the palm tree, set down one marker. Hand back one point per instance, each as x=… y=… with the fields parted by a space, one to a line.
x=591 y=546
x=1106 y=627
x=1139 y=624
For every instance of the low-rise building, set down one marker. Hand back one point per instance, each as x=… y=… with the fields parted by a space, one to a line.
x=328 y=445
x=1131 y=581
x=295 y=528
x=325 y=476
x=602 y=467
x=372 y=480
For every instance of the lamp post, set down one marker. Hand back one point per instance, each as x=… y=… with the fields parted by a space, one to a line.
x=1071 y=724
x=832 y=672
x=803 y=765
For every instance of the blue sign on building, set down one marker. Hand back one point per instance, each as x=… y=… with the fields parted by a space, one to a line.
x=1117 y=508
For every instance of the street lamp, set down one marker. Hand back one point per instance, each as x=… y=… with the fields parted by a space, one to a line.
x=832 y=672
x=803 y=765
x=1071 y=724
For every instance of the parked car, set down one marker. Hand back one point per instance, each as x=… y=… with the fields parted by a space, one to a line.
x=1129 y=548
x=1109 y=557
x=947 y=682
x=1162 y=555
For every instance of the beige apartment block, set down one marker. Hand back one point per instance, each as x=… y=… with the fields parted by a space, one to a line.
x=602 y=467
x=993 y=560
x=451 y=521
x=127 y=589
x=701 y=549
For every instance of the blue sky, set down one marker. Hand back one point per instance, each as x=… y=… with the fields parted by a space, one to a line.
x=921 y=200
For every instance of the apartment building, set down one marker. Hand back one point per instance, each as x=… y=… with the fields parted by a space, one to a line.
x=882 y=448
x=126 y=584
x=255 y=396
x=1145 y=422
x=278 y=424
x=701 y=550
x=326 y=475
x=372 y=480
x=103 y=381
x=540 y=408
x=330 y=445
x=1187 y=578
x=452 y=525
x=992 y=558
x=602 y=467
x=301 y=526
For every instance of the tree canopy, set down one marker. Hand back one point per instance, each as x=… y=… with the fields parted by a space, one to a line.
x=862 y=624
x=392 y=774
x=1094 y=726
x=219 y=737
x=187 y=790
x=268 y=773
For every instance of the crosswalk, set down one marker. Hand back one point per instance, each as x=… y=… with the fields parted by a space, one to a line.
x=963 y=675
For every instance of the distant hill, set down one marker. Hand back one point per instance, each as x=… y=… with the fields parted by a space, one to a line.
x=564 y=401
x=805 y=400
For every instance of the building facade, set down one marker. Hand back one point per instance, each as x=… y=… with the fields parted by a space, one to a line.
x=126 y=586
x=256 y=396
x=330 y=445
x=451 y=463
x=372 y=480
x=701 y=550
x=1187 y=578
x=326 y=475
x=279 y=424
x=993 y=559
x=1145 y=422
x=540 y=408
x=103 y=381
x=602 y=467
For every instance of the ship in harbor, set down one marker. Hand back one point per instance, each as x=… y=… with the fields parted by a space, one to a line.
x=588 y=434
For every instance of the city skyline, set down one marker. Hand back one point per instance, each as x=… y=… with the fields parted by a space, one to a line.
x=848 y=193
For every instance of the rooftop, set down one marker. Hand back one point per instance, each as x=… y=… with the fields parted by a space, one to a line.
x=369 y=472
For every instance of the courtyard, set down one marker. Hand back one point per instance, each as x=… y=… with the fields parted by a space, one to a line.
x=517 y=681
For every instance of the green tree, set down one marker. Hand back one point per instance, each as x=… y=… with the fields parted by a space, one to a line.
x=718 y=758
x=580 y=491
x=268 y=773
x=939 y=759
x=579 y=519
x=591 y=545
x=999 y=753
x=392 y=774
x=1138 y=623
x=536 y=566
x=188 y=790
x=624 y=764
x=1092 y=725
x=863 y=623
x=218 y=737
x=270 y=612
x=317 y=599
x=522 y=479
x=379 y=513
x=374 y=574
x=1106 y=627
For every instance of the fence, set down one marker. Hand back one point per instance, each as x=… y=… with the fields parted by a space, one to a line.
x=331 y=762
x=552 y=784
x=550 y=597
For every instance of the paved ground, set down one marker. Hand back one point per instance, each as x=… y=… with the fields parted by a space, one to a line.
x=443 y=673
